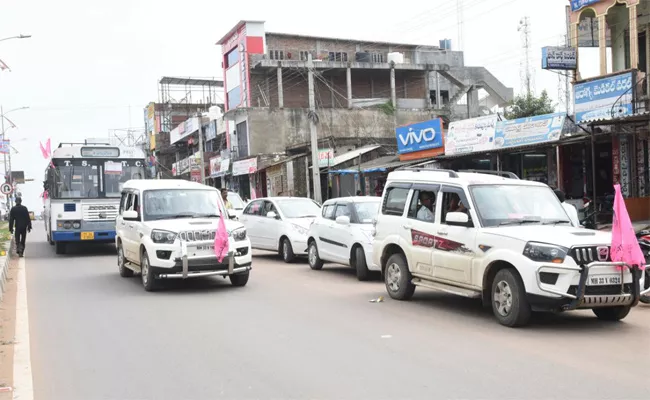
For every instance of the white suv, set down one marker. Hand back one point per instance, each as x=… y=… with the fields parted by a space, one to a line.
x=166 y=230
x=494 y=237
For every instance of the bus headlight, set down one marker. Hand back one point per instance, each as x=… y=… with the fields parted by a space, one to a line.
x=76 y=225
x=67 y=225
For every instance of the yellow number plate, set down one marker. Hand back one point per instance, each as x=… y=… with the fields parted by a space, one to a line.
x=87 y=235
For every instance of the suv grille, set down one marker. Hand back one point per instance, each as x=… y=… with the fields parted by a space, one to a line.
x=588 y=254
x=195 y=236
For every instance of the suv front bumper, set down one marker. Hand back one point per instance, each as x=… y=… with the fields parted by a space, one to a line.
x=628 y=295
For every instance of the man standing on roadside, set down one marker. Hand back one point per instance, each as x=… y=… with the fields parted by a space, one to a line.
x=224 y=197
x=19 y=216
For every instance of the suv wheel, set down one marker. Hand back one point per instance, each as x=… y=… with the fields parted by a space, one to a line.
x=363 y=274
x=148 y=277
x=612 y=313
x=286 y=251
x=398 y=278
x=121 y=263
x=509 y=302
x=315 y=262
x=240 y=280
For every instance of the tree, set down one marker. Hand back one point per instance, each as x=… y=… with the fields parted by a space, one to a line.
x=528 y=105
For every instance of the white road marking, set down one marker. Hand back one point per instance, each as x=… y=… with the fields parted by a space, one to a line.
x=23 y=381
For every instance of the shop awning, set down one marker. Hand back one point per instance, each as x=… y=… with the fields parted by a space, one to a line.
x=273 y=163
x=381 y=164
x=350 y=155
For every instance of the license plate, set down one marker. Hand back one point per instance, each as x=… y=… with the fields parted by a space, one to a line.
x=602 y=280
x=205 y=248
x=87 y=235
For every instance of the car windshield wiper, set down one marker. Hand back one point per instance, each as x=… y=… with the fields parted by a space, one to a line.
x=186 y=215
x=521 y=221
x=557 y=221
x=206 y=216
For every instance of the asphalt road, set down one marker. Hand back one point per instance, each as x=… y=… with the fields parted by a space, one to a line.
x=294 y=333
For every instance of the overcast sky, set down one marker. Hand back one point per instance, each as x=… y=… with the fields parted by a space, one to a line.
x=93 y=66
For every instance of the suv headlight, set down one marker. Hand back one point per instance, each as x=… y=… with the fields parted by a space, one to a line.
x=300 y=230
x=543 y=252
x=163 y=237
x=239 y=234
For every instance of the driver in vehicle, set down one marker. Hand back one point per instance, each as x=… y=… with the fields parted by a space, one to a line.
x=425 y=213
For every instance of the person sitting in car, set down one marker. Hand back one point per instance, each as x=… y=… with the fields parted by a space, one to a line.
x=425 y=212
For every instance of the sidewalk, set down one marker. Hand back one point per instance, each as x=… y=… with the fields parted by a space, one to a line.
x=638 y=226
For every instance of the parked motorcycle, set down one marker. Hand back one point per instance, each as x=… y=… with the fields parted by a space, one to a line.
x=644 y=242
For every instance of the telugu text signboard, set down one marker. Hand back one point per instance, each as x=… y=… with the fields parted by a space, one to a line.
x=563 y=58
x=471 y=135
x=578 y=4
x=605 y=98
x=419 y=136
x=531 y=130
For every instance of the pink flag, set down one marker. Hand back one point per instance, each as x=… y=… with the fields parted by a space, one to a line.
x=625 y=247
x=221 y=245
x=47 y=149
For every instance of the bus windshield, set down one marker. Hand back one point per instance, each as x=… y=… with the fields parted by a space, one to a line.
x=91 y=178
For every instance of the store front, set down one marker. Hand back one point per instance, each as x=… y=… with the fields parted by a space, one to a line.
x=245 y=182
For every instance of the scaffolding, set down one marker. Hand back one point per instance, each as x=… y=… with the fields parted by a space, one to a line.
x=181 y=96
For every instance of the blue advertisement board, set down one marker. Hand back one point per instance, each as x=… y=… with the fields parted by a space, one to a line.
x=578 y=4
x=531 y=130
x=604 y=98
x=564 y=58
x=420 y=136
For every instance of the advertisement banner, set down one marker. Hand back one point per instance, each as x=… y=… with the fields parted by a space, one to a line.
x=325 y=157
x=5 y=147
x=210 y=130
x=604 y=98
x=578 y=4
x=244 y=167
x=184 y=129
x=471 y=135
x=215 y=166
x=531 y=130
x=419 y=136
x=564 y=58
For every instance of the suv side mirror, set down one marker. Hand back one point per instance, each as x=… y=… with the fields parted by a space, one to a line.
x=272 y=214
x=232 y=214
x=457 y=219
x=130 y=215
x=343 y=220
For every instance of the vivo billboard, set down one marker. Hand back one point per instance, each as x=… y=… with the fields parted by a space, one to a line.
x=419 y=136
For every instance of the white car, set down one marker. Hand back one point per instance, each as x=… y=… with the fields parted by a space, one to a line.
x=506 y=241
x=166 y=230
x=343 y=234
x=280 y=224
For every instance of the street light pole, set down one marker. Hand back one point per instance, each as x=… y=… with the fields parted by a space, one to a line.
x=16 y=37
x=7 y=167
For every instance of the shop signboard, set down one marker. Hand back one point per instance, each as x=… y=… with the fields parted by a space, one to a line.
x=419 y=136
x=325 y=157
x=184 y=129
x=578 y=4
x=210 y=130
x=471 y=135
x=244 y=167
x=564 y=58
x=531 y=130
x=605 y=98
x=219 y=166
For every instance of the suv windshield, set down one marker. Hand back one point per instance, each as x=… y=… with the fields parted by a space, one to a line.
x=181 y=203
x=367 y=211
x=236 y=201
x=299 y=208
x=498 y=205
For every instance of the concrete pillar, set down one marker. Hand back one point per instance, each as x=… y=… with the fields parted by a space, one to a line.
x=438 y=97
x=348 y=81
x=574 y=43
x=427 y=89
x=602 y=44
x=280 y=89
x=634 y=38
x=393 y=96
x=647 y=56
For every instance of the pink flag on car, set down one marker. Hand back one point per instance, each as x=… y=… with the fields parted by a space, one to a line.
x=221 y=245
x=625 y=247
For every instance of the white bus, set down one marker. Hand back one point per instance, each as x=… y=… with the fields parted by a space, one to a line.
x=84 y=184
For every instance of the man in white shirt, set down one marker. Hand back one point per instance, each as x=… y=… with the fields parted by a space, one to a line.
x=570 y=209
x=425 y=213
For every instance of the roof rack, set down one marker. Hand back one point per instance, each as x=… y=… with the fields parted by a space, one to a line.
x=505 y=174
x=451 y=172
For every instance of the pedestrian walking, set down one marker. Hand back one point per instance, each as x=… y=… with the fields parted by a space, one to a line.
x=20 y=223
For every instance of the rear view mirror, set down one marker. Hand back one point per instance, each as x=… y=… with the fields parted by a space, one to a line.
x=130 y=215
x=457 y=219
x=343 y=220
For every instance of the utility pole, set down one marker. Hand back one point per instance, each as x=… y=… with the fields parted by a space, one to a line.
x=201 y=163
x=2 y=126
x=567 y=43
x=459 y=20
x=524 y=28
x=313 y=132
